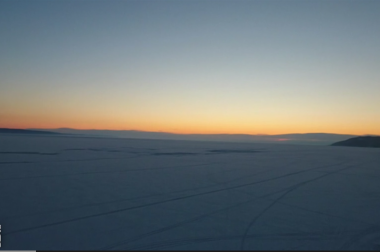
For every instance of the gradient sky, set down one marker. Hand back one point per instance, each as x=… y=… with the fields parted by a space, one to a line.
x=254 y=67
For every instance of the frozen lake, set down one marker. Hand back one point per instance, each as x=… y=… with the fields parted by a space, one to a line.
x=76 y=193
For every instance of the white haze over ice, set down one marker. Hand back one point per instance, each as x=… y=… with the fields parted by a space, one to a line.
x=78 y=193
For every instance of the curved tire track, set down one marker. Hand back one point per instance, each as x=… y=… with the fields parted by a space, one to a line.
x=253 y=221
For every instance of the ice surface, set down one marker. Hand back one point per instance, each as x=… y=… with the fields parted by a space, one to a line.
x=78 y=193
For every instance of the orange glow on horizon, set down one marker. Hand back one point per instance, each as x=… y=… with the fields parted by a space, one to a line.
x=183 y=125
x=20 y=124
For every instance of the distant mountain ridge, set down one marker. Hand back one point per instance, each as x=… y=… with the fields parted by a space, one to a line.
x=296 y=138
x=26 y=131
x=361 y=141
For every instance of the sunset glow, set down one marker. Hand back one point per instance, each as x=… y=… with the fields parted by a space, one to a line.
x=206 y=67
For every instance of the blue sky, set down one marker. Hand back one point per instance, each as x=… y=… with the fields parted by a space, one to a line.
x=266 y=67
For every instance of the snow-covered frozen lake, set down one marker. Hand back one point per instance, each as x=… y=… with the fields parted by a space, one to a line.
x=71 y=193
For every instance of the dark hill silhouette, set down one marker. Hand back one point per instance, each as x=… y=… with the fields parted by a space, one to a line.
x=362 y=141
x=24 y=131
x=306 y=138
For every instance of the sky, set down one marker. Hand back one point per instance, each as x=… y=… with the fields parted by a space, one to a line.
x=209 y=66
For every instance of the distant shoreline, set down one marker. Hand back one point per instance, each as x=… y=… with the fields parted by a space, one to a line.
x=25 y=131
x=362 y=141
x=295 y=138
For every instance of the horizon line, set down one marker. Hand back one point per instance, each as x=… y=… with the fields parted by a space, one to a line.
x=165 y=132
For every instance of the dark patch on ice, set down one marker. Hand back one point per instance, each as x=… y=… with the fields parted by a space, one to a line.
x=209 y=152
x=221 y=151
x=92 y=149
x=106 y=150
x=29 y=152
x=134 y=148
x=174 y=153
